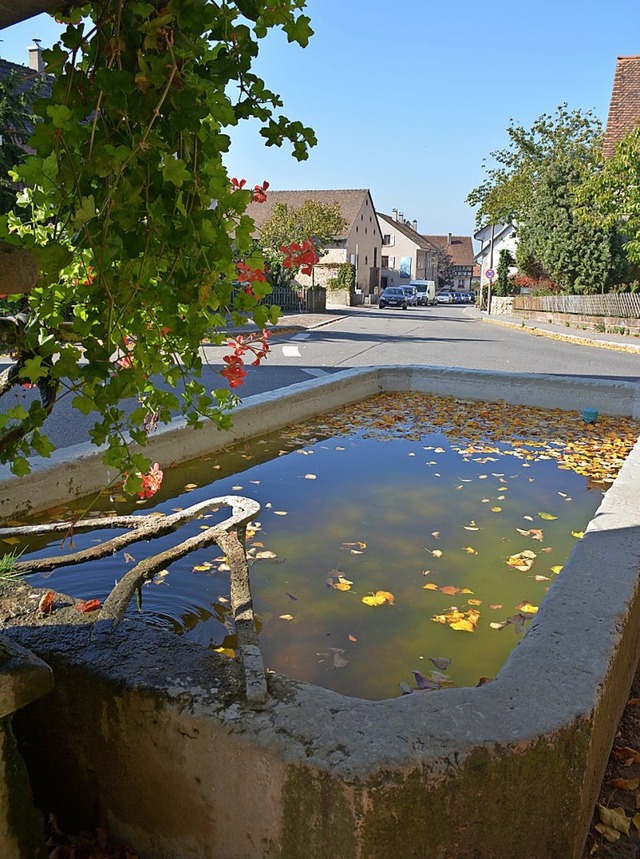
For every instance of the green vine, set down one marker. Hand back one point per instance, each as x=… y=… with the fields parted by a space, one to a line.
x=136 y=226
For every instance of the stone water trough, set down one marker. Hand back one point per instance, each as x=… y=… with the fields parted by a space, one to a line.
x=153 y=736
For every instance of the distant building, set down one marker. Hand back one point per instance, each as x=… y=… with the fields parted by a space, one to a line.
x=359 y=244
x=406 y=255
x=460 y=251
x=488 y=257
x=624 y=108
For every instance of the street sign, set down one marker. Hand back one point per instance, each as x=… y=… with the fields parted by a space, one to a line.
x=490 y=273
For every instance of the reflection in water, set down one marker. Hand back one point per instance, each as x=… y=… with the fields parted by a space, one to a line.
x=411 y=507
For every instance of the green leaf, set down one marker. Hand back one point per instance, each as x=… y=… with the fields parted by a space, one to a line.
x=175 y=170
x=85 y=212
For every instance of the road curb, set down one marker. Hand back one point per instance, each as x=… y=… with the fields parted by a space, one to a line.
x=569 y=338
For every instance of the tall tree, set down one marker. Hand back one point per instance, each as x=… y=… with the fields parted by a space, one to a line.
x=534 y=184
x=611 y=198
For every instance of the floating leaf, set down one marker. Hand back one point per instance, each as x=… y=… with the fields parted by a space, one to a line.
x=310 y=477
x=522 y=561
x=202 y=568
x=548 y=516
x=279 y=512
x=463 y=626
x=352 y=637
x=266 y=554
x=496 y=509
x=527 y=608
x=379 y=598
x=190 y=487
x=450 y=590
x=430 y=586
x=474 y=602
x=286 y=617
x=441 y=662
x=578 y=534
x=470 y=550
x=437 y=553
x=557 y=568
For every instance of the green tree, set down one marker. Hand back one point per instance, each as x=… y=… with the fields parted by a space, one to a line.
x=16 y=121
x=534 y=184
x=610 y=199
x=505 y=262
x=139 y=233
x=319 y=222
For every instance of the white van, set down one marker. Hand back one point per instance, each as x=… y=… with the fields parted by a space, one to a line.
x=426 y=290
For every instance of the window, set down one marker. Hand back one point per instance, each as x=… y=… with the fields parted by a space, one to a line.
x=383 y=282
x=384 y=262
x=388 y=240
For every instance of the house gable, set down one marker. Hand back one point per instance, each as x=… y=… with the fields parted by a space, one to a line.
x=624 y=108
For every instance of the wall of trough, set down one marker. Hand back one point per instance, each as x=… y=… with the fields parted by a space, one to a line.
x=151 y=734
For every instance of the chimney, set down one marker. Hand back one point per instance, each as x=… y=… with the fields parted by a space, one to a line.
x=394 y=214
x=449 y=239
x=401 y=217
x=36 y=63
x=414 y=224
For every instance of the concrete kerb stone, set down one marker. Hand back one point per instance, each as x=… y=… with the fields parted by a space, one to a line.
x=509 y=768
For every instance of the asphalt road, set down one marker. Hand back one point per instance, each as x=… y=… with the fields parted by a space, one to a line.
x=367 y=336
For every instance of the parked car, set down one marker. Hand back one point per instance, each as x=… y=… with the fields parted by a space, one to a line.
x=426 y=290
x=445 y=297
x=412 y=295
x=459 y=297
x=393 y=296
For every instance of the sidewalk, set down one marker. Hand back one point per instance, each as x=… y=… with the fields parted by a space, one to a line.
x=617 y=342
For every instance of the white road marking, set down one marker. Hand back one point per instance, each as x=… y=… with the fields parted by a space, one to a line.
x=291 y=352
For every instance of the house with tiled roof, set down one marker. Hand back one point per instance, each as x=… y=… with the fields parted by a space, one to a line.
x=459 y=249
x=360 y=242
x=406 y=255
x=624 y=108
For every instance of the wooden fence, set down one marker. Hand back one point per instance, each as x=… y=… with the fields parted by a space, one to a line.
x=624 y=305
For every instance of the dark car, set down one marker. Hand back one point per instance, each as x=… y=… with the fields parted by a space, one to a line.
x=412 y=295
x=393 y=296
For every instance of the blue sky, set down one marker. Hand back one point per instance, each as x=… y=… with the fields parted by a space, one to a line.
x=407 y=97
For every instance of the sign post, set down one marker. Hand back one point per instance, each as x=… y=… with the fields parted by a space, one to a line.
x=490 y=276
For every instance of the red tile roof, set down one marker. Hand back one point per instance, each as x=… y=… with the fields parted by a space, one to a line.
x=350 y=202
x=459 y=248
x=624 y=109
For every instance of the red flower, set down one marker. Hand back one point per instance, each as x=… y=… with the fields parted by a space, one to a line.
x=246 y=274
x=302 y=256
x=256 y=344
x=151 y=481
x=238 y=185
x=260 y=192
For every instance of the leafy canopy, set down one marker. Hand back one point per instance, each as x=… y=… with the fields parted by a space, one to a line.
x=319 y=221
x=611 y=198
x=534 y=184
x=131 y=214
